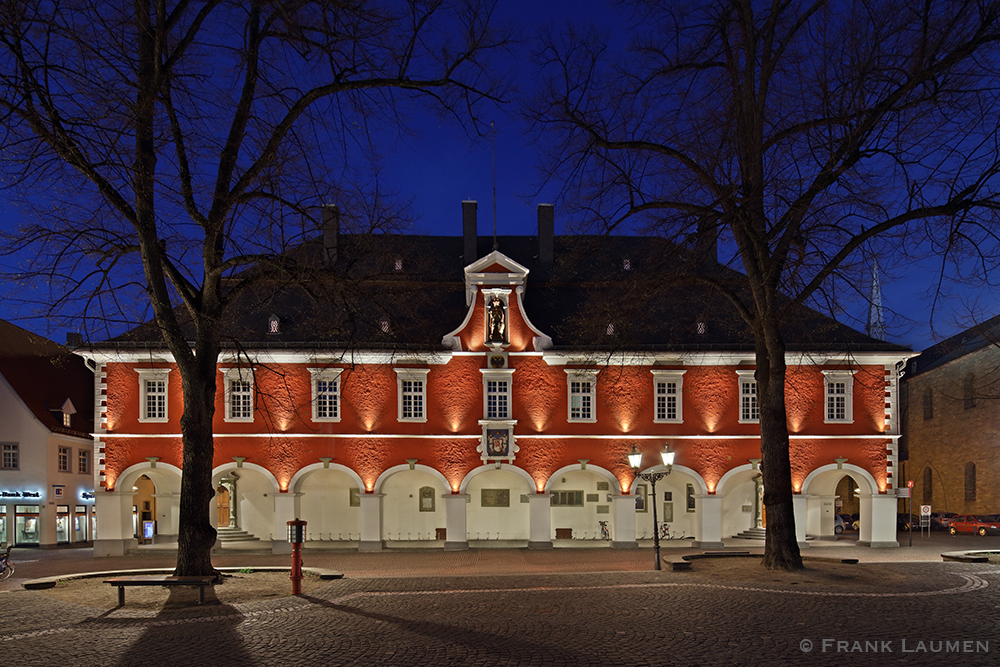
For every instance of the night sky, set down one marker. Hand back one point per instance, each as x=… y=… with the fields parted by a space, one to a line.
x=443 y=166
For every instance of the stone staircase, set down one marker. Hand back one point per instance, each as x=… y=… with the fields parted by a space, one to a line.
x=235 y=535
x=752 y=534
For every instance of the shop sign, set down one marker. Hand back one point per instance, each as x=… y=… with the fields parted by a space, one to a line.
x=87 y=495
x=20 y=494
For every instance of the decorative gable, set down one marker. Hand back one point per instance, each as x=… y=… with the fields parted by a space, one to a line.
x=495 y=319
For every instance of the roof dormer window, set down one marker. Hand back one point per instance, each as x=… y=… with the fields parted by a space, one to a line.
x=626 y=264
x=398 y=266
x=273 y=325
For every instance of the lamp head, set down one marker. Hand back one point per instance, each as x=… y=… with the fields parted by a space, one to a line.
x=635 y=458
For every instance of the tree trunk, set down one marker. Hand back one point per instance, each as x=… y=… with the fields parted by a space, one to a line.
x=781 y=549
x=196 y=535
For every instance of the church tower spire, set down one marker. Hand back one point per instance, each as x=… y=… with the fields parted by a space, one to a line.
x=876 y=316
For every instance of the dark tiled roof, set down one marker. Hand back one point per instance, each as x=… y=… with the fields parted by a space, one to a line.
x=574 y=299
x=959 y=345
x=44 y=374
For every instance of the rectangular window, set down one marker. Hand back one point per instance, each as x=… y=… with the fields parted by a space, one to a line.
x=241 y=399
x=667 y=391
x=325 y=394
x=83 y=461
x=497 y=396
x=64 y=456
x=928 y=404
x=11 y=457
x=581 y=388
x=152 y=394
x=836 y=401
x=567 y=499
x=749 y=409
x=412 y=394
x=839 y=390
x=239 y=394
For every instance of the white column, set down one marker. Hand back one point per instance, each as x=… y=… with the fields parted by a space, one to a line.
x=882 y=525
x=820 y=517
x=540 y=526
x=114 y=523
x=708 y=521
x=623 y=523
x=284 y=511
x=800 y=511
x=456 y=521
x=168 y=507
x=371 y=522
x=865 y=518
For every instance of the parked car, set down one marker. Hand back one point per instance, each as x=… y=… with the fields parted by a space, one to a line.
x=903 y=522
x=838 y=524
x=941 y=520
x=967 y=523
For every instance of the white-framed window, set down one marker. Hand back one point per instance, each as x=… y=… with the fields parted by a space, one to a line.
x=153 y=394
x=65 y=453
x=83 y=461
x=238 y=394
x=581 y=387
x=839 y=392
x=325 y=394
x=10 y=456
x=667 y=396
x=412 y=394
x=496 y=393
x=749 y=408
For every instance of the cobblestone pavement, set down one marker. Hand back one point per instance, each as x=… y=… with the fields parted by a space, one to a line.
x=515 y=607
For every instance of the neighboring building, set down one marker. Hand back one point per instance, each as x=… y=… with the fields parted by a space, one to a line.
x=953 y=425
x=497 y=403
x=47 y=465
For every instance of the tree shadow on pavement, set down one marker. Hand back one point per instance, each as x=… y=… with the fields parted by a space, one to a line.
x=504 y=649
x=177 y=637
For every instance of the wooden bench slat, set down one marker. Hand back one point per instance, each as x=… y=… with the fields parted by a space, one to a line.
x=161 y=580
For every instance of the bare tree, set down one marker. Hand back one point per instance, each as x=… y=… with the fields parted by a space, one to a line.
x=173 y=148
x=803 y=135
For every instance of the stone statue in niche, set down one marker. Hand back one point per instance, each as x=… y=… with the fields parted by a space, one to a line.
x=496 y=321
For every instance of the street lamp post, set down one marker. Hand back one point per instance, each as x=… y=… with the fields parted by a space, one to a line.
x=635 y=461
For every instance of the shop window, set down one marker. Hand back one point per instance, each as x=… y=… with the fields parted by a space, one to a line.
x=667 y=392
x=153 y=394
x=581 y=388
x=64 y=456
x=749 y=409
x=325 y=394
x=839 y=392
x=238 y=394
x=690 y=498
x=970 y=482
x=26 y=527
x=412 y=394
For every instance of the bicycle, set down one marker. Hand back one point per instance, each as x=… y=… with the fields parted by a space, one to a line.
x=7 y=564
x=605 y=533
x=666 y=534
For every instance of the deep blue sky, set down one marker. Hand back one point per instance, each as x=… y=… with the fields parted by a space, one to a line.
x=442 y=167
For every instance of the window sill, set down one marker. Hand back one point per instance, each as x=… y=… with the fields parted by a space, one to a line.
x=838 y=421
x=144 y=420
x=412 y=420
x=238 y=420
x=668 y=421
x=326 y=420
x=582 y=421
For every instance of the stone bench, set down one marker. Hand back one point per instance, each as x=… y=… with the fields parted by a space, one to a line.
x=166 y=580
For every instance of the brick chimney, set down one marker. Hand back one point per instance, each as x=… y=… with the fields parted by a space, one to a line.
x=546 y=234
x=331 y=232
x=470 y=232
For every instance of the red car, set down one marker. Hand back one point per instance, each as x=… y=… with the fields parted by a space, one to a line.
x=981 y=525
